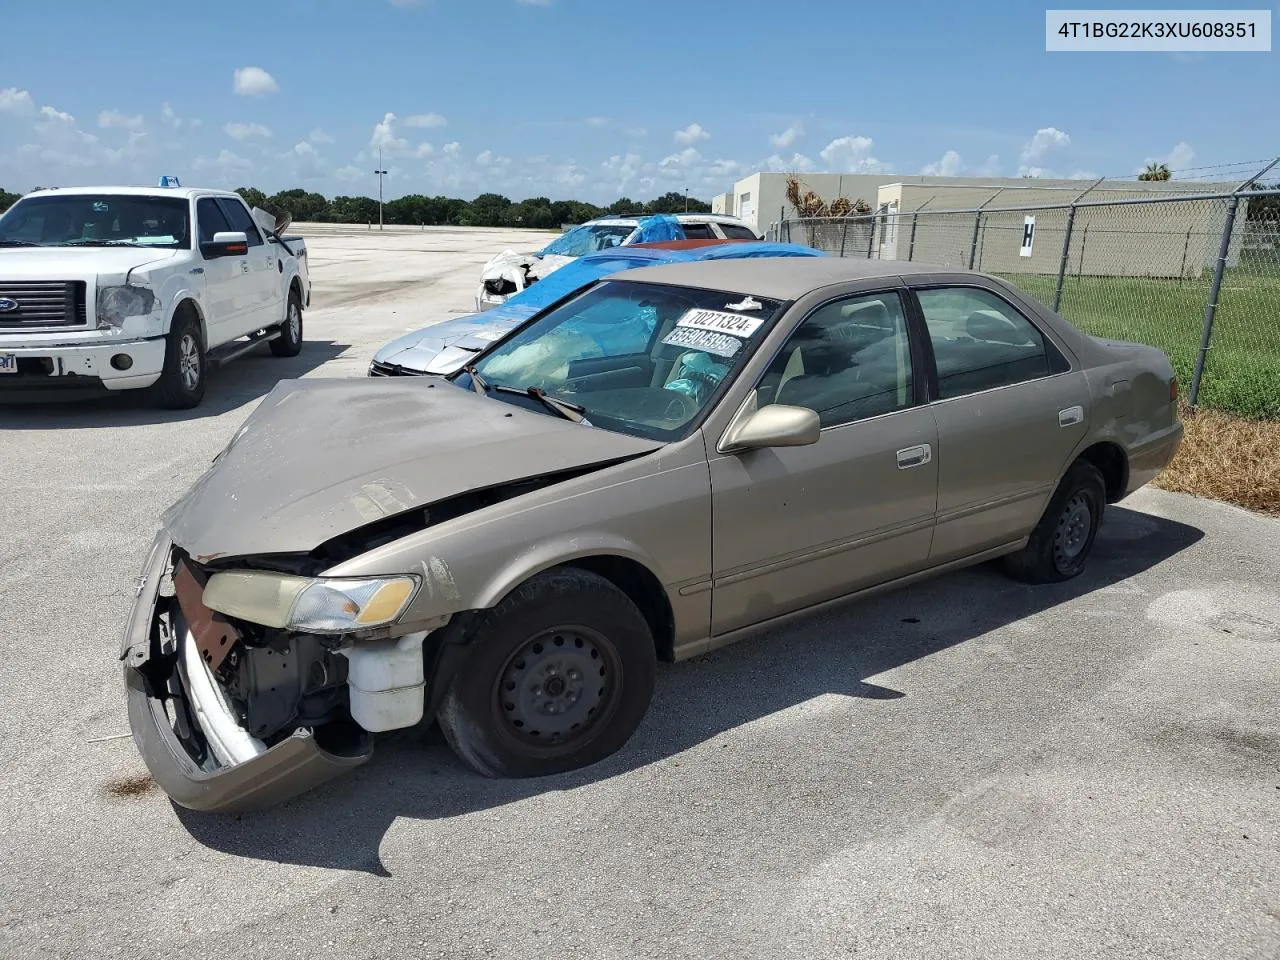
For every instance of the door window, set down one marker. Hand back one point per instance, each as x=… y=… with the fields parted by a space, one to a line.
x=980 y=342
x=697 y=231
x=848 y=360
x=211 y=219
x=240 y=220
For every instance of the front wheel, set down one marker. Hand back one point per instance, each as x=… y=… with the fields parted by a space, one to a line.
x=559 y=677
x=289 y=343
x=181 y=383
x=1063 y=539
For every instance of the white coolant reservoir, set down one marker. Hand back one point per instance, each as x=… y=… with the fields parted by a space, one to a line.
x=386 y=681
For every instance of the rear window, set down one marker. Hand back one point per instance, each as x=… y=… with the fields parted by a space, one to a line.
x=698 y=231
x=736 y=231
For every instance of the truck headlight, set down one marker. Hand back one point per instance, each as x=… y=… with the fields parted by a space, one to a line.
x=117 y=304
x=310 y=604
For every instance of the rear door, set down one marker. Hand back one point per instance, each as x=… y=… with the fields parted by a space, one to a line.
x=794 y=526
x=265 y=290
x=1011 y=408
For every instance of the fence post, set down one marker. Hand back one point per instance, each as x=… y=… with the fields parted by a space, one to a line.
x=911 y=247
x=973 y=247
x=844 y=236
x=1066 y=252
x=871 y=238
x=1211 y=307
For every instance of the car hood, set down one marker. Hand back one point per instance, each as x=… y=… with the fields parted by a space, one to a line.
x=56 y=263
x=319 y=458
x=473 y=332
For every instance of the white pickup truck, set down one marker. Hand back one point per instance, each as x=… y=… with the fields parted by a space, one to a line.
x=118 y=288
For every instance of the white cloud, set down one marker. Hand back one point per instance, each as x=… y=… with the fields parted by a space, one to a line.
x=451 y=149
x=622 y=169
x=787 y=137
x=951 y=165
x=246 y=131
x=635 y=133
x=303 y=149
x=13 y=100
x=570 y=175
x=596 y=122
x=224 y=168
x=319 y=136
x=351 y=174
x=798 y=162
x=56 y=115
x=171 y=119
x=114 y=118
x=691 y=134
x=852 y=155
x=1045 y=145
x=384 y=136
x=424 y=150
x=484 y=158
x=1179 y=158
x=254 y=82
x=991 y=168
x=425 y=120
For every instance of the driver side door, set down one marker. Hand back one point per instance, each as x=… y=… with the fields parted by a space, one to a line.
x=227 y=286
x=795 y=526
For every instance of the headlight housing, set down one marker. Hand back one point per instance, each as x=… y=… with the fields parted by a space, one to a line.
x=116 y=304
x=310 y=604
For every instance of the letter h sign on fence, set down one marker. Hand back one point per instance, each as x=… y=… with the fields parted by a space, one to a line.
x=1028 y=236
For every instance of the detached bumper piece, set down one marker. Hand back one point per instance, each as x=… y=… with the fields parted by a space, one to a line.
x=191 y=744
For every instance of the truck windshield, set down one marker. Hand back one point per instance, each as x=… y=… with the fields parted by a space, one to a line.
x=91 y=219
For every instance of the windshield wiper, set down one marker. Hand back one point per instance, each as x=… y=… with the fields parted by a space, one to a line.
x=570 y=411
x=98 y=243
x=478 y=383
x=18 y=243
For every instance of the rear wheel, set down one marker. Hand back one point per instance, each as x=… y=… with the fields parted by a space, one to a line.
x=289 y=343
x=181 y=383
x=559 y=677
x=1063 y=539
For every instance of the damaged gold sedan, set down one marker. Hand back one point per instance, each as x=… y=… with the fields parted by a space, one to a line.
x=645 y=471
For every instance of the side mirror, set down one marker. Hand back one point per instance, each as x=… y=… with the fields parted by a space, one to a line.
x=226 y=243
x=776 y=425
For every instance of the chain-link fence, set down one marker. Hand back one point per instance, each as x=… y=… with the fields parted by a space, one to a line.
x=1197 y=276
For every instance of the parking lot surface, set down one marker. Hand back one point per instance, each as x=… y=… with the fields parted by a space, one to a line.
x=965 y=768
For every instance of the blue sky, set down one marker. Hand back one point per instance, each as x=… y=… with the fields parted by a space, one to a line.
x=594 y=99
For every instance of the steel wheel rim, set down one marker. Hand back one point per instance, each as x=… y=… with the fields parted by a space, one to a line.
x=295 y=322
x=1072 y=533
x=189 y=361
x=558 y=687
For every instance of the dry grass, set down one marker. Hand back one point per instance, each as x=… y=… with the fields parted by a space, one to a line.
x=130 y=786
x=1227 y=458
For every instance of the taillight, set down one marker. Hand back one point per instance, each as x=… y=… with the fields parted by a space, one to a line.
x=1173 y=390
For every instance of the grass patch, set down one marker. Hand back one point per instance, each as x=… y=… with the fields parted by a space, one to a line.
x=1242 y=372
x=1227 y=458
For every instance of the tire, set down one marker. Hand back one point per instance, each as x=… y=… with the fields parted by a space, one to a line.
x=289 y=343
x=181 y=383
x=1063 y=539
x=526 y=704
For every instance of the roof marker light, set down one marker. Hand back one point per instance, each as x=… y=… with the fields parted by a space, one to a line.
x=169 y=182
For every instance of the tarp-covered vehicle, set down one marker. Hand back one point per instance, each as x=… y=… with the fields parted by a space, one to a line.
x=511 y=549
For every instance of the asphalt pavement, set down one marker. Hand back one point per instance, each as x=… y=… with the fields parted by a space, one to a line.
x=965 y=768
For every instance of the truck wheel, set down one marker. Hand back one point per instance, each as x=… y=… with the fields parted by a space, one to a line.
x=1062 y=540
x=181 y=383
x=559 y=677
x=289 y=343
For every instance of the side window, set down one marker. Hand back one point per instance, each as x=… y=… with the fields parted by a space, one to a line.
x=735 y=231
x=697 y=231
x=211 y=219
x=240 y=220
x=848 y=360
x=980 y=342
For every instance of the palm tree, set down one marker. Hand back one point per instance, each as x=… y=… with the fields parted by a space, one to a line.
x=1156 y=171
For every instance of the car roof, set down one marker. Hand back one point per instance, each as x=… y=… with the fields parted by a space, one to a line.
x=186 y=193
x=625 y=219
x=782 y=278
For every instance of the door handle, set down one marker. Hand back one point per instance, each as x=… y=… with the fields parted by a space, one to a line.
x=1070 y=416
x=916 y=456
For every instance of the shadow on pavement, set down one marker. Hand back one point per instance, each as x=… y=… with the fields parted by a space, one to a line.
x=414 y=774
x=245 y=378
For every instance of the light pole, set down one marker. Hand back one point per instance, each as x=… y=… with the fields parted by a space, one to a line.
x=686 y=199
x=381 y=173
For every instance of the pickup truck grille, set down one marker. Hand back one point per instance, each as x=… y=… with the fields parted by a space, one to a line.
x=42 y=303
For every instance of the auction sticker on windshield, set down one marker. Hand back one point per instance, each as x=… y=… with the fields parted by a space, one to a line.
x=720 y=344
x=8 y=363
x=718 y=322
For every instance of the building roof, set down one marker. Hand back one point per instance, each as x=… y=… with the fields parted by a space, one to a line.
x=779 y=279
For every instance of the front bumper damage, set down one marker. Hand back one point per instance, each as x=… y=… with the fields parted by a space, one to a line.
x=231 y=771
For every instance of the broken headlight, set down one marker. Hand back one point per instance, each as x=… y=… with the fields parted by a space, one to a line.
x=310 y=604
x=117 y=304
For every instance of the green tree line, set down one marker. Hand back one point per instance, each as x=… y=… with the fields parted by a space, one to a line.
x=486 y=210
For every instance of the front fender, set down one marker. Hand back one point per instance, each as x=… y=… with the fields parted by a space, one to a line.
x=555 y=553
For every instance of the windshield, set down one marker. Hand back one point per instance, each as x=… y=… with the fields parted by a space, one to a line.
x=589 y=238
x=641 y=358
x=98 y=220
